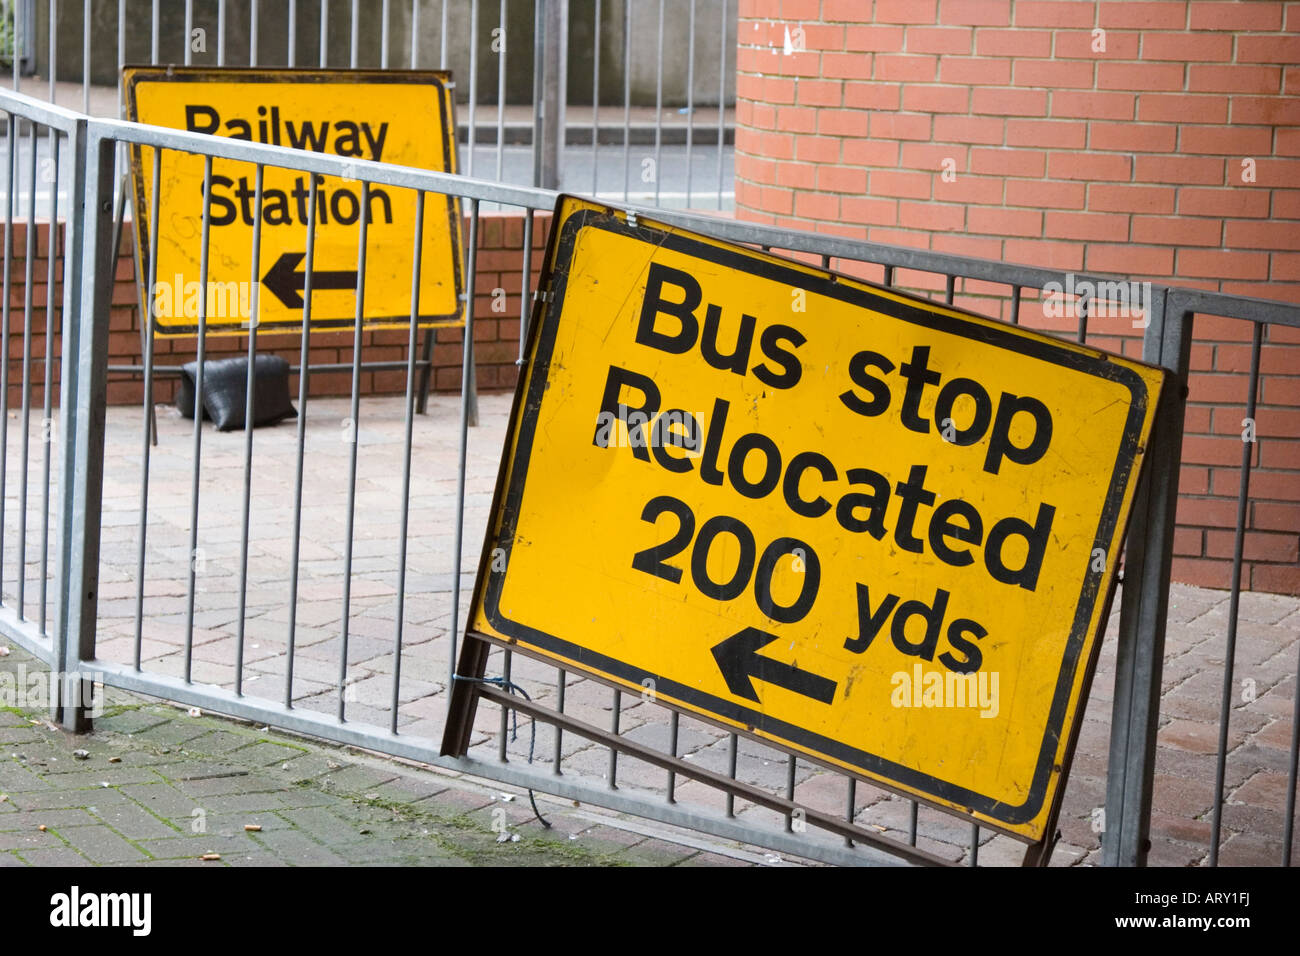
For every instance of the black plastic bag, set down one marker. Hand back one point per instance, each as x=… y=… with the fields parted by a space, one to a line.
x=225 y=391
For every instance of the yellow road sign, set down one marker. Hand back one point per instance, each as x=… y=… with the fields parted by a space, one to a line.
x=405 y=118
x=868 y=527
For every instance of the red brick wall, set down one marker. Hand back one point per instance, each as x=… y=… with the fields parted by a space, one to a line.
x=1135 y=160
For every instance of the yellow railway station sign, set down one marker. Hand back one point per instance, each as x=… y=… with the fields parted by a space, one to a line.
x=870 y=528
x=405 y=118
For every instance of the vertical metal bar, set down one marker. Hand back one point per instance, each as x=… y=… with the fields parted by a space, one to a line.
x=911 y=824
x=974 y=844
x=47 y=409
x=409 y=409
x=25 y=438
x=674 y=728
x=304 y=376
x=426 y=371
x=355 y=413
x=595 y=99
x=950 y=289
x=733 y=745
x=1234 y=600
x=52 y=55
x=627 y=97
x=790 y=768
x=467 y=363
x=324 y=32
x=254 y=19
x=291 y=55
x=473 y=385
x=539 y=87
x=561 y=17
x=659 y=103
x=356 y=34
x=147 y=402
x=68 y=610
x=690 y=100
x=442 y=39
x=11 y=187
x=153 y=34
x=415 y=33
x=119 y=221
x=221 y=33
x=850 y=809
x=613 y=729
x=501 y=92
x=506 y=660
x=1015 y=305
x=119 y=226
x=250 y=410
x=525 y=285
x=83 y=383
x=559 y=731
x=189 y=31
x=383 y=36
x=722 y=94
x=85 y=56
x=431 y=335
x=1145 y=596
x=473 y=84
x=121 y=53
x=1082 y=334
x=14 y=7
x=889 y=276
x=198 y=414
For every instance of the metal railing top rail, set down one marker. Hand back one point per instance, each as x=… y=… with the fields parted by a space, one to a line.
x=40 y=111
x=1229 y=305
x=862 y=250
x=841 y=247
x=326 y=164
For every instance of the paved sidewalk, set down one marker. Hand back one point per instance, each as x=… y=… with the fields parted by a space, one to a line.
x=153 y=785
x=1262 y=698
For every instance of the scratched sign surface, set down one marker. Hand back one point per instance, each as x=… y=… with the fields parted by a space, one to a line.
x=396 y=117
x=868 y=527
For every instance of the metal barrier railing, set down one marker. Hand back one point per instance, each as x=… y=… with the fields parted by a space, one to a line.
x=711 y=779
x=40 y=141
x=1188 y=303
x=552 y=140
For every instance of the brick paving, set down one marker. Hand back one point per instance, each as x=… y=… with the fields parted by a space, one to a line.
x=1264 y=682
x=153 y=785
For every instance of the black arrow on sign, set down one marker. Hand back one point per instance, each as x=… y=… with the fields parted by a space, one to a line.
x=740 y=663
x=285 y=282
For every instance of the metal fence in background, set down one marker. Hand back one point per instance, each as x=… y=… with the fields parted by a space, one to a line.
x=626 y=101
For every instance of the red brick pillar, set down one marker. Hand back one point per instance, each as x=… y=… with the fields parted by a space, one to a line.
x=1154 y=140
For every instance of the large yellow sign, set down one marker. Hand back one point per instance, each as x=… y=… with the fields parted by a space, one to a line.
x=405 y=118
x=871 y=528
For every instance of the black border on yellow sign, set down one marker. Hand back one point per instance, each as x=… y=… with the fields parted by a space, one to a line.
x=514 y=474
x=439 y=79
